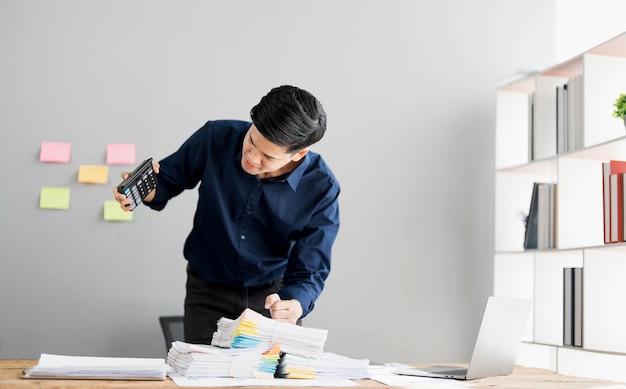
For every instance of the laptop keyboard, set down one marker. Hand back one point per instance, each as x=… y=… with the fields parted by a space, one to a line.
x=459 y=371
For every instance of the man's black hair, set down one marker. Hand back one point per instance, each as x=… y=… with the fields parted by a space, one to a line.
x=290 y=117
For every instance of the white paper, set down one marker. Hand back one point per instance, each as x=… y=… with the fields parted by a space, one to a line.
x=191 y=382
x=61 y=366
x=384 y=375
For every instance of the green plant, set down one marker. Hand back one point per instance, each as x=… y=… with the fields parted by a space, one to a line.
x=620 y=106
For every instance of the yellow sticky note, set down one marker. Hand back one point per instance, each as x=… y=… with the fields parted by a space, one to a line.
x=54 y=198
x=113 y=212
x=93 y=174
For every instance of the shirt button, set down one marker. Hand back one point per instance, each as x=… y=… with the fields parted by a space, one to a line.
x=243 y=237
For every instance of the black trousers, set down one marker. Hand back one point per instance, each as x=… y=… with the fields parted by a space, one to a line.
x=206 y=303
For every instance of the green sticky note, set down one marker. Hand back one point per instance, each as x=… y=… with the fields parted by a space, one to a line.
x=113 y=212
x=54 y=198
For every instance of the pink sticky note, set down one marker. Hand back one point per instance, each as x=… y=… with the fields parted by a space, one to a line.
x=121 y=154
x=58 y=152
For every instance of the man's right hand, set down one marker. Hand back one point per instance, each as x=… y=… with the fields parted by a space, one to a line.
x=125 y=203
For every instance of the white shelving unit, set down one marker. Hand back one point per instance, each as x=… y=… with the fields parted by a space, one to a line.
x=527 y=151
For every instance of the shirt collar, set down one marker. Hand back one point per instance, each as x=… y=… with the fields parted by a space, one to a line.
x=293 y=178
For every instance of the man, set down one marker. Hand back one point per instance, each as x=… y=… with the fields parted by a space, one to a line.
x=267 y=214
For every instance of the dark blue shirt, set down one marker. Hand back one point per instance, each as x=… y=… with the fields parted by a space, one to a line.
x=249 y=231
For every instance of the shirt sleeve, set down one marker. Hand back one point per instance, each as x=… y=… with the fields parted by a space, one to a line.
x=181 y=170
x=310 y=258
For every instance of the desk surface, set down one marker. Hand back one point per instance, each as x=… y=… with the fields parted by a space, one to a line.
x=522 y=377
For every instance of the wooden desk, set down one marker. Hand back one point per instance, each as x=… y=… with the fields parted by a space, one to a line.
x=522 y=377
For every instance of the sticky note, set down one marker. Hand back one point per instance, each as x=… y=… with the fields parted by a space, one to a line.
x=113 y=212
x=54 y=198
x=56 y=152
x=121 y=154
x=91 y=174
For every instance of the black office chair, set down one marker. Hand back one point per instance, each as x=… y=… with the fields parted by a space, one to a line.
x=173 y=330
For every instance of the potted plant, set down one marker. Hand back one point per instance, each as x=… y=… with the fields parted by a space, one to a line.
x=620 y=107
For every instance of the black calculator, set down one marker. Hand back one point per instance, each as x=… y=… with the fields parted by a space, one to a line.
x=139 y=184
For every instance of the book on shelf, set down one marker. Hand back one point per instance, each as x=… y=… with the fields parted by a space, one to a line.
x=545 y=116
x=566 y=133
x=575 y=113
x=572 y=306
x=546 y=215
x=568 y=306
x=569 y=107
x=613 y=200
x=617 y=201
x=530 y=238
x=562 y=134
x=531 y=128
x=541 y=221
x=578 y=306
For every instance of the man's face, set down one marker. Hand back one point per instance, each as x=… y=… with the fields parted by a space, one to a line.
x=264 y=158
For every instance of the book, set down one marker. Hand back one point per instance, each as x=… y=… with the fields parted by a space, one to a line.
x=578 y=307
x=530 y=238
x=573 y=306
x=568 y=306
x=545 y=116
x=543 y=216
x=551 y=218
x=562 y=135
x=574 y=112
x=616 y=207
x=608 y=168
x=541 y=221
x=99 y=368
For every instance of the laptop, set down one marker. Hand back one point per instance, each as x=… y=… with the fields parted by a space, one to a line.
x=495 y=351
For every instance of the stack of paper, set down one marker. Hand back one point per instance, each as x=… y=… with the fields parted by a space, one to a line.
x=328 y=367
x=251 y=329
x=191 y=360
x=61 y=366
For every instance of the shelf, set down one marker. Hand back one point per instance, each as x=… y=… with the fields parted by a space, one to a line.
x=540 y=139
x=604 y=290
x=615 y=47
x=573 y=361
x=544 y=167
x=548 y=293
x=605 y=151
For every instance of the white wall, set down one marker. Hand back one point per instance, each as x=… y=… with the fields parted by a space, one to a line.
x=582 y=24
x=409 y=89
